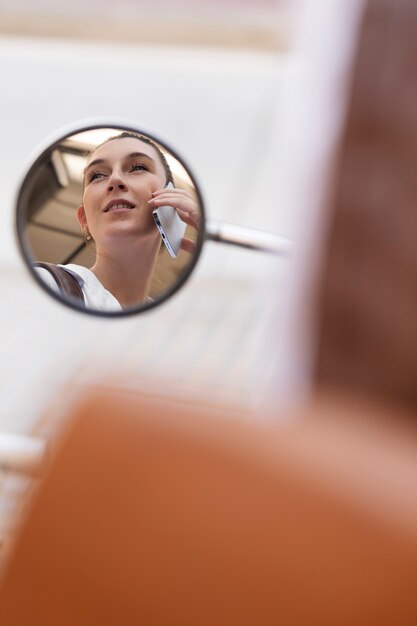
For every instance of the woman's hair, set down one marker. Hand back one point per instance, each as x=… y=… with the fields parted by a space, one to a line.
x=144 y=139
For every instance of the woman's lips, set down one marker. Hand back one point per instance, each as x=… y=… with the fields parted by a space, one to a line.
x=118 y=205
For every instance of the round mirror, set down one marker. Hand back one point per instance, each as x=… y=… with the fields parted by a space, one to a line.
x=110 y=220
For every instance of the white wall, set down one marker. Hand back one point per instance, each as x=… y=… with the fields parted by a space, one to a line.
x=217 y=108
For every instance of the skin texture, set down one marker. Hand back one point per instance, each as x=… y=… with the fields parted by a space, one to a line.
x=127 y=171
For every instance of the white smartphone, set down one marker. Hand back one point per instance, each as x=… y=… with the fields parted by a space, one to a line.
x=170 y=226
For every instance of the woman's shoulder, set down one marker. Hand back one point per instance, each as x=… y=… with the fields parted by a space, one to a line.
x=96 y=295
x=46 y=275
x=79 y=271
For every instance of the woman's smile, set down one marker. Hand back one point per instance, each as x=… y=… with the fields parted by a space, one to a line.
x=118 y=205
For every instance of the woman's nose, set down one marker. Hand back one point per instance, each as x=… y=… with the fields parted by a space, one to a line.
x=116 y=181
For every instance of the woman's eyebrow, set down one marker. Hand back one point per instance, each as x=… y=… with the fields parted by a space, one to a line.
x=129 y=156
x=140 y=154
x=95 y=162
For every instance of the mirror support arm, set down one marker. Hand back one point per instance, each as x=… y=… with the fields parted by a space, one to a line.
x=249 y=238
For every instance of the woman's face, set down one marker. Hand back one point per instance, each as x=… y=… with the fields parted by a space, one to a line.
x=119 y=180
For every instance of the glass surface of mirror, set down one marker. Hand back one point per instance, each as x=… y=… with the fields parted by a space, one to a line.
x=110 y=220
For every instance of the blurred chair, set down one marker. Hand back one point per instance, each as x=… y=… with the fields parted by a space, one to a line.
x=167 y=513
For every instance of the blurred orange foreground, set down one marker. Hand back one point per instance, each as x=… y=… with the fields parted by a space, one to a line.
x=167 y=514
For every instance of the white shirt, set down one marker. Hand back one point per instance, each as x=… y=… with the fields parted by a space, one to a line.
x=95 y=295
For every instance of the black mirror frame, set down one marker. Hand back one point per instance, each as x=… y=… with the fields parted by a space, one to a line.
x=21 y=204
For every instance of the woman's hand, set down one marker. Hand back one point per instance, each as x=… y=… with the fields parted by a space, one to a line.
x=186 y=206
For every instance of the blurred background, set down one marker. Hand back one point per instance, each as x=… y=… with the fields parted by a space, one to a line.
x=234 y=88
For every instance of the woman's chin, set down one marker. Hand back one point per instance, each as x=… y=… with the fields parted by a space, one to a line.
x=124 y=234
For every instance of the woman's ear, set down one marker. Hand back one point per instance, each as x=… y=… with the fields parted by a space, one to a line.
x=82 y=220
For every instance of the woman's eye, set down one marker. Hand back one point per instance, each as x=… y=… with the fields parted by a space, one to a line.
x=138 y=166
x=95 y=175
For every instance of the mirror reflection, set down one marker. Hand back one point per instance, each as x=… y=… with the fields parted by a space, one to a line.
x=110 y=220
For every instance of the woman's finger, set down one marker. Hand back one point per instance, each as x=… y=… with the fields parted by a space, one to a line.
x=188 y=218
x=188 y=245
x=173 y=190
x=184 y=204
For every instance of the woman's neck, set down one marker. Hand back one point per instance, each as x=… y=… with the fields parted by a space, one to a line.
x=126 y=270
